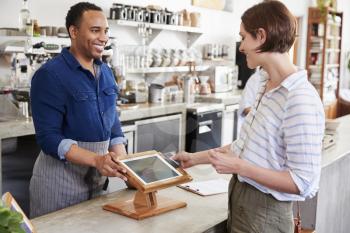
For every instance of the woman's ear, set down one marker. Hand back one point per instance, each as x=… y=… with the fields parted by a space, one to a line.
x=261 y=35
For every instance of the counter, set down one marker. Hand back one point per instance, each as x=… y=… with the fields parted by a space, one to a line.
x=18 y=128
x=226 y=98
x=146 y=110
x=200 y=214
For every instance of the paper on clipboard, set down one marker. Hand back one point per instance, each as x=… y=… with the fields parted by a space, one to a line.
x=206 y=188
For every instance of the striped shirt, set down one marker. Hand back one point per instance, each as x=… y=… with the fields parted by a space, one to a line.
x=284 y=132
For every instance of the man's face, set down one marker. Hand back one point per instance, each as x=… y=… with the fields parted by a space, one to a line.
x=91 y=35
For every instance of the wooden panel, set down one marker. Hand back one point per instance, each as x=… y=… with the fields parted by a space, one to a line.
x=138 y=211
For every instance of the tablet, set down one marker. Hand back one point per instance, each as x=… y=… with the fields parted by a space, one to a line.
x=149 y=169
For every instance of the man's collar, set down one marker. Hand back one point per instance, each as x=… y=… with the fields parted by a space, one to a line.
x=72 y=61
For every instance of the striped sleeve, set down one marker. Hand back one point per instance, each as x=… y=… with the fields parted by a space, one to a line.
x=303 y=130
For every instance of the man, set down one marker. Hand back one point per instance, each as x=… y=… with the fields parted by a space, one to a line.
x=248 y=97
x=74 y=112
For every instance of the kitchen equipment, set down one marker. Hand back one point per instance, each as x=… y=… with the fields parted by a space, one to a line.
x=121 y=12
x=244 y=72
x=195 y=19
x=146 y=16
x=221 y=78
x=189 y=84
x=155 y=16
x=203 y=126
x=131 y=12
x=155 y=93
x=163 y=17
x=204 y=86
x=186 y=18
x=139 y=15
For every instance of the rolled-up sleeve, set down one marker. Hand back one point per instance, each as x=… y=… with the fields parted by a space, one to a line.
x=47 y=102
x=303 y=133
x=117 y=136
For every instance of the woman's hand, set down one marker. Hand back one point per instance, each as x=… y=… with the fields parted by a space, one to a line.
x=186 y=159
x=108 y=165
x=225 y=161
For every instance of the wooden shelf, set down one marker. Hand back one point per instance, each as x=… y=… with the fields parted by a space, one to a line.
x=319 y=23
x=193 y=33
x=333 y=38
x=333 y=50
x=332 y=66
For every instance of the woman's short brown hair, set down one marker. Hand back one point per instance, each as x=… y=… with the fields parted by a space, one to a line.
x=276 y=20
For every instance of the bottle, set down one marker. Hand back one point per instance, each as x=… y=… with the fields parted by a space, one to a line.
x=24 y=16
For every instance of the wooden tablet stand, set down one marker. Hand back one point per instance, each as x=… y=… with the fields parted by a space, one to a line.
x=145 y=202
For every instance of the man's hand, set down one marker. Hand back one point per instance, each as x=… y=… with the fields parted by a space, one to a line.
x=108 y=165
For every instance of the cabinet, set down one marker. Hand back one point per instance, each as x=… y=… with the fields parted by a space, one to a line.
x=323 y=55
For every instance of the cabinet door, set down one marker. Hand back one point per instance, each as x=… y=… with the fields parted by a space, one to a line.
x=161 y=134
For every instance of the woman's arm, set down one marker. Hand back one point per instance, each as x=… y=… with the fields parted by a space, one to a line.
x=190 y=159
x=225 y=162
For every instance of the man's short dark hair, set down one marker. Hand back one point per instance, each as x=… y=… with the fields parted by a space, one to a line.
x=279 y=24
x=76 y=12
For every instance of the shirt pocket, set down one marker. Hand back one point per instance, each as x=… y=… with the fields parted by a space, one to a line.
x=84 y=105
x=109 y=102
x=84 y=96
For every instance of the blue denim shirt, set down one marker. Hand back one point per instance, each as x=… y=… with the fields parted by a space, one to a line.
x=69 y=104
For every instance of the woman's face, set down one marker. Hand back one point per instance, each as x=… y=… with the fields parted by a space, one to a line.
x=248 y=47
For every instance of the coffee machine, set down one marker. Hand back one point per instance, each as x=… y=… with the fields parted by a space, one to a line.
x=244 y=72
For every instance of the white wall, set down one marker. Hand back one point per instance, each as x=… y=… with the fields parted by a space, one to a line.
x=218 y=26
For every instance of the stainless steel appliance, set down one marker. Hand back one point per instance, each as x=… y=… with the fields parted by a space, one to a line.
x=244 y=72
x=221 y=78
x=161 y=133
x=203 y=126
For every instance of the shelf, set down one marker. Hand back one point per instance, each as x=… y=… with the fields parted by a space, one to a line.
x=334 y=23
x=332 y=66
x=315 y=50
x=333 y=50
x=193 y=33
x=165 y=69
x=333 y=38
x=34 y=39
x=315 y=66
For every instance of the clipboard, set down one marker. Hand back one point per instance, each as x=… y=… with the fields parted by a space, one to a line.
x=206 y=188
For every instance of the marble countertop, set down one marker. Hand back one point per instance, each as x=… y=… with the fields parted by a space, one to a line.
x=226 y=98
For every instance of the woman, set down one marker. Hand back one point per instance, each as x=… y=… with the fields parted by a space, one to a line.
x=276 y=159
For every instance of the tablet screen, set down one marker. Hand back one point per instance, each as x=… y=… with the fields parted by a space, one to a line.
x=151 y=168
